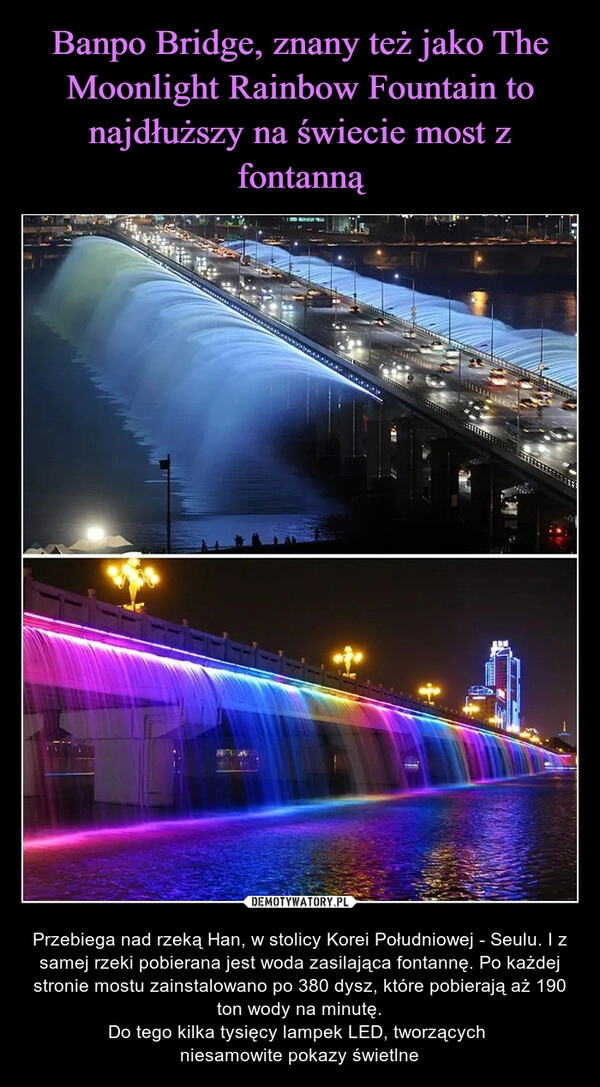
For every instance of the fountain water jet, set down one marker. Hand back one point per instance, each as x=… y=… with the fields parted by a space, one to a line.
x=169 y=729
x=521 y=347
x=231 y=402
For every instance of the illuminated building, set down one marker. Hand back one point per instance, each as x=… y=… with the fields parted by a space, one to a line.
x=503 y=678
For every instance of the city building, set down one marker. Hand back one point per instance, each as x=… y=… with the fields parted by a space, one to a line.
x=498 y=702
x=503 y=676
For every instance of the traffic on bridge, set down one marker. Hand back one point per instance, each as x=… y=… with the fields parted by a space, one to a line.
x=500 y=388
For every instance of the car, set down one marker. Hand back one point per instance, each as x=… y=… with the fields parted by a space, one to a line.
x=533 y=448
x=561 y=434
x=476 y=364
x=529 y=402
x=425 y=348
x=447 y=368
x=524 y=383
x=477 y=409
x=526 y=431
x=395 y=366
x=435 y=381
x=498 y=379
x=409 y=335
x=395 y=371
x=543 y=396
x=380 y=321
x=498 y=371
x=354 y=309
x=452 y=354
x=437 y=345
x=570 y=404
x=571 y=468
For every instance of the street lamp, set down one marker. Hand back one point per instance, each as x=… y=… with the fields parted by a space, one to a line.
x=132 y=574
x=331 y=278
x=379 y=253
x=471 y=708
x=413 y=308
x=430 y=692
x=165 y=466
x=348 y=657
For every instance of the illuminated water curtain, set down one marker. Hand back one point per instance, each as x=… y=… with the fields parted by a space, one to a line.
x=230 y=400
x=168 y=728
x=474 y=326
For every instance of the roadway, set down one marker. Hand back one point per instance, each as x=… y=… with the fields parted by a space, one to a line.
x=490 y=401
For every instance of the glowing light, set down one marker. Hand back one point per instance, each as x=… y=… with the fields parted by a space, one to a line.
x=430 y=692
x=132 y=574
x=94 y=534
x=348 y=657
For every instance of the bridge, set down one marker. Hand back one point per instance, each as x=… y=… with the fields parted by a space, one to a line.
x=169 y=714
x=404 y=423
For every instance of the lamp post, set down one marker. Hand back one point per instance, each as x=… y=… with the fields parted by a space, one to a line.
x=331 y=278
x=165 y=466
x=471 y=708
x=379 y=253
x=413 y=308
x=541 y=366
x=348 y=657
x=132 y=574
x=429 y=692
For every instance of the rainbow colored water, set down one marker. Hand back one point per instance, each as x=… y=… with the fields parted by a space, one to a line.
x=161 y=730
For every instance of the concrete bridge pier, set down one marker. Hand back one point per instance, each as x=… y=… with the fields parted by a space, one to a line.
x=446 y=457
x=487 y=483
x=33 y=760
x=352 y=436
x=135 y=752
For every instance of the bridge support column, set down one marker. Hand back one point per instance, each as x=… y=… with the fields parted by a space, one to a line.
x=407 y=465
x=352 y=432
x=444 y=466
x=487 y=484
x=33 y=767
x=134 y=754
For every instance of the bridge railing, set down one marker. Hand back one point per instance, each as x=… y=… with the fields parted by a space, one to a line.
x=374 y=312
x=87 y=612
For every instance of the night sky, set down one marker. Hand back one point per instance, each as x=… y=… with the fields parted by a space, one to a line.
x=416 y=620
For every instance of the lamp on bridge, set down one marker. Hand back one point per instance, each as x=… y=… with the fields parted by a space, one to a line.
x=413 y=308
x=379 y=254
x=348 y=657
x=471 y=708
x=132 y=574
x=165 y=466
x=430 y=692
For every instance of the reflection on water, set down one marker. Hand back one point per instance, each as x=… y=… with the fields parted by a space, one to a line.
x=506 y=841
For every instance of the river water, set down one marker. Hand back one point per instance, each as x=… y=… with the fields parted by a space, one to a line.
x=504 y=841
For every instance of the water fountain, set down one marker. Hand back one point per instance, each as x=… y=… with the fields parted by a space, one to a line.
x=166 y=729
x=229 y=401
x=521 y=347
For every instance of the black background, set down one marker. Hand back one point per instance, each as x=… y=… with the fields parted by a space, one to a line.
x=541 y=171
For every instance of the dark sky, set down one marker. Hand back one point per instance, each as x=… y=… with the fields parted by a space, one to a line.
x=416 y=620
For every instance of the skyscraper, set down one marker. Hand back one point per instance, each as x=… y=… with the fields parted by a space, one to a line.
x=503 y=677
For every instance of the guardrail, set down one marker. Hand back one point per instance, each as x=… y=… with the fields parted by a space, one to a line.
x=280 y=327
x=45 y=605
